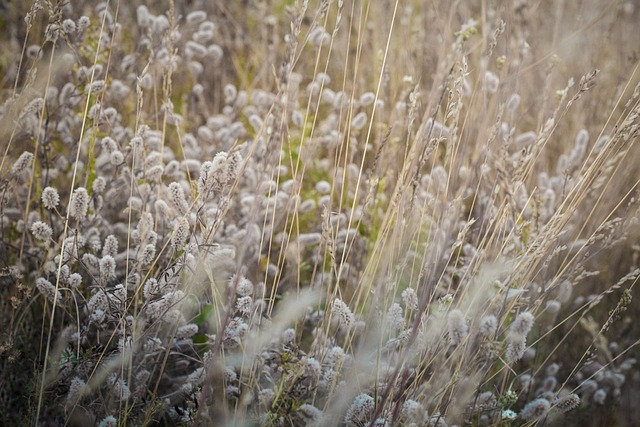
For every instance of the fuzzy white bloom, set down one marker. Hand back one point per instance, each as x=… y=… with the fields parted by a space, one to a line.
x=74 y=280
x=535 y=409
x=457 y=326
x=119 y=387
x=48 y=290
x=311 y=414
x=107 y=268
x=109 y=421
x=410 y=299
x=79 y=203
x=516 y=347
x=244 y=287
x=360 y=411
x=341 y=310
x=41 y=231
x=177 y=198
x=77 y=389
x=50 y=198
x=180 y=233
x=567 y=403
x=488 y=326
x=395 y=317
x=522 y=324
x=244 y=305
x=508 y=414
x=22 y=164
x=187 y=331
x=359 y=120
x=412 y=411
x=196 y=17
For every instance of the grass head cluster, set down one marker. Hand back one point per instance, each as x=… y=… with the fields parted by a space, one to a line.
x=299 y=213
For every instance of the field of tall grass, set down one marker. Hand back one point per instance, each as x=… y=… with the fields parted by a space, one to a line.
x=319 y=213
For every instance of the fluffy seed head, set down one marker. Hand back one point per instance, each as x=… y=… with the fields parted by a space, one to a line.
x=342 y=312
x=535 y=410
x=41 y=231
x=22 y=164
x=50 y=198
x=457 y=326
x=79 y=203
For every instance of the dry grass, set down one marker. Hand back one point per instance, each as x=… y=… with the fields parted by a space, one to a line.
x=296 y=213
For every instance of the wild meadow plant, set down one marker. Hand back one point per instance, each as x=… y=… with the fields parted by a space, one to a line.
x=293 y=213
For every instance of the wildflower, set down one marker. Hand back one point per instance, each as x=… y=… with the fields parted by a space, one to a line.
x=151 y=289
x=412 y=411
x=359 y=120
x=410 y=299
x=180 y=233
x=120 y=389
x=535 y=410
x=148 y=254
x=196 y=17
x=457 y=326
x=335 y=357
x=48 y=290
x=367 y=99
x=77 y=389
x=79 y=204
x=22 y=164
x=508 y=414
x=187 y=331
x=491 y=82
x=107 y=268
x=178 y=199
x=109 y=421
x=360 y=411
x=516 y=346
x=69 y=26
x=74 y=280
x=310 y=413
x=110 y=246
x=244 y=305
x=288 y=336
x=343 y=313
x=244 y=287
x=395 y=317
x=522 y=324
x=50 y=198
x=488 y=326
x=41 y=231
x=600 y=396
x=567 y=403
x=116 y=157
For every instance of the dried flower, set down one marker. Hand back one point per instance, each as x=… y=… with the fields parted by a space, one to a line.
x=41 y=231
x=567 y=403
x=535 y=410
x=107 y=268
x=522 y=324
x=177 y=198
x=343 y=313
x=457 y=326
x=180 y=233
x=109 y=421
x=360 y=411
x=22 y=164
x=50 y=198
x=395 y=317
x=410 y=299
x=79 y=204
x=48 y=290
x=488 y=326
